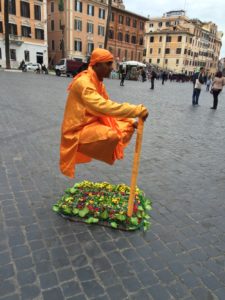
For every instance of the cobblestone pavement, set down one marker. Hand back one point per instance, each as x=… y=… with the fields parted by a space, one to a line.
x=182 y=170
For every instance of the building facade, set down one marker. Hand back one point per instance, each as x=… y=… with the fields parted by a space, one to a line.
x=28 y=32
x=182 y=45
x=126 y=34
x=75 y=28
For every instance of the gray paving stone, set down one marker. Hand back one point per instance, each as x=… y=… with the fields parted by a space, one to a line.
x=85 y=273
x=6 y=272
x=48 y=280
x=181 y=170
x=92 y=289
x=26 y=277
x=116 y=292
x=53 y=294
x=30 y=292
x=7 y=287
x=71 y=288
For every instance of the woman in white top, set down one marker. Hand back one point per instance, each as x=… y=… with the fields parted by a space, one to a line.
x=217 y=86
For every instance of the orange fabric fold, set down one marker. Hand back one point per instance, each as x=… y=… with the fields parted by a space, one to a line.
x=87 y=104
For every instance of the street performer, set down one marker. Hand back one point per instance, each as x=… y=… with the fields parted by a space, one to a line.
x=95 y=127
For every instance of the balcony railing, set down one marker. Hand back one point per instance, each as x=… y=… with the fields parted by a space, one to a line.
x=16 y=39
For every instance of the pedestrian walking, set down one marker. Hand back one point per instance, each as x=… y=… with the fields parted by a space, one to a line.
x=208 y=83
x=123 y=75
x=153 y=76
x=164 y=76
x=95 y=127
x=198 y=80
x=217 y=86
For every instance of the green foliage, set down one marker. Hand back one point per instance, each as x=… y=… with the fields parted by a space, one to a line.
x=107 y=203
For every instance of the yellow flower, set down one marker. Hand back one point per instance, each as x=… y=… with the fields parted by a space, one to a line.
x=91 y=201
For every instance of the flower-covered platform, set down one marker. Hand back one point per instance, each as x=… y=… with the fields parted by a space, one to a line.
x=104 y=204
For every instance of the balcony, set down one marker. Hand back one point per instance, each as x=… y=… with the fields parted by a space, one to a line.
x=15 y=39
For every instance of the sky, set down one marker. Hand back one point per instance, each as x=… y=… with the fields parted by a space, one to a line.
x=204 y=10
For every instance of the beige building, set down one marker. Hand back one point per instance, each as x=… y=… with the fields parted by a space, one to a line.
x=75 y=28
x=28 y=32
x=182 y=45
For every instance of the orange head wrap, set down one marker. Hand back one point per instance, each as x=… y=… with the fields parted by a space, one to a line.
x=100 y=55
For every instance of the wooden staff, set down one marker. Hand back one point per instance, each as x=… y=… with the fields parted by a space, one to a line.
x=135 y=167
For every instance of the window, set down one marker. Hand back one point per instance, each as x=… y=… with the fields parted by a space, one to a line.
x=52 y=25
x=160 y=38
x=151 y=25
x=150 y=50
x=37 y=12
x=185 y=51
x=39 y=34
x=26 y=31
x=177 y=61
x=78 y=6
x=90 y=27
x=179 y=38
x=12 y=54
x=90 y=48
x=119 y=52
x=126 y=54
x=120 y=36
x=26 y=55
x=12 y=7
x=77 y=25
x=178 y=51
x=167 y=51
x=134 y=23
x=160 y=24
x=166 y=61
x=168 y=39
x=167 y=24
x=78 y=45
x=128 y=21
x=52 y=6
x=111 y=34
x=112 y=17
x=159 y=50
x=53 y=45
x=158 y=61
x=141 y=25
x=90 y=10
x=13 y=29
x=133 y=39
x=150 y=60
x=141 y=41
x=1 y=28
x=151 y=39
x=120 y=19
x=25 y=9
x=101 y=13
x=101 y=30
x=127 y=38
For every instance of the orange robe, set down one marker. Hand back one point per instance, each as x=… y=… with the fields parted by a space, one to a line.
x=88 y=115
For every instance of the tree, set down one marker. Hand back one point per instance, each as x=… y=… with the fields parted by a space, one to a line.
x=108 y=23
x=6 y=22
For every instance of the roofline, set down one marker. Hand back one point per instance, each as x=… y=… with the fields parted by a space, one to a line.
x=129 y=12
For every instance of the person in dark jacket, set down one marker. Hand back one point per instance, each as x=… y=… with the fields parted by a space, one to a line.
x=198 y=81
x=153 y=76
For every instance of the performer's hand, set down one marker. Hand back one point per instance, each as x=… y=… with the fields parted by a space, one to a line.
x=144 y=115
x=135 y=124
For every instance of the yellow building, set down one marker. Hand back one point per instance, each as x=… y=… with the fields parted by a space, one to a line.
x=182 y=45
x=75 y=28
x=28 y=32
